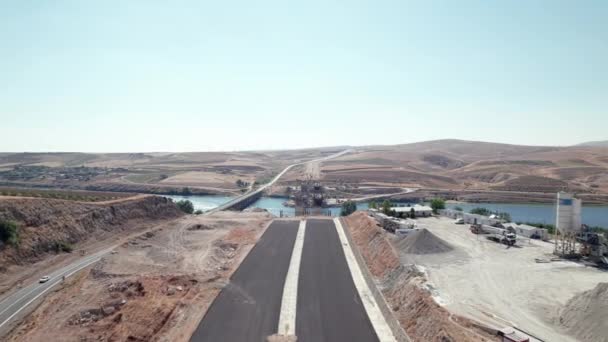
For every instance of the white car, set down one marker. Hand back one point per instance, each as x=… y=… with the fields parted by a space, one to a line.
x=44 y=279
x=459 y=221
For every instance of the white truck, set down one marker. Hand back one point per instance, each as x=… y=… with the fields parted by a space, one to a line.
x=502 y=235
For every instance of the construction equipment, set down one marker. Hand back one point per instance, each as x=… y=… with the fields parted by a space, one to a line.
x=501 y=235
x=594 y=246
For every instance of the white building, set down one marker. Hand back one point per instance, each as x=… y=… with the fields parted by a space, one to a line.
x=420 y=210
x=470 y=218
x=528 y=231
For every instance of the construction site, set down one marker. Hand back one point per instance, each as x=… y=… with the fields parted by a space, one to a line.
x=525 y=287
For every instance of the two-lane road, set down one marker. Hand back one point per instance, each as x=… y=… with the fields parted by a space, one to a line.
x=16 y=303
x=269 y=289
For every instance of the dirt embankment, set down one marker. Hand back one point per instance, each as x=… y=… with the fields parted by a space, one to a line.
x=48 y=224
x=156 y=286
x=585 y=315
x=403 y=288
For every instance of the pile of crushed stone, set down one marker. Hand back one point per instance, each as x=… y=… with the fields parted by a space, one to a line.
x=585 y=315
x=423 y=242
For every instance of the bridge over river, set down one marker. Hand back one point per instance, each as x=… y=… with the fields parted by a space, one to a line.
x=250 y=197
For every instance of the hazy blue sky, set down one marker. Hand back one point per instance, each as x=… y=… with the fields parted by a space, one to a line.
x=225 y=75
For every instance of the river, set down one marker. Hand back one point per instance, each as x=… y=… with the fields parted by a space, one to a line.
x=540 y=213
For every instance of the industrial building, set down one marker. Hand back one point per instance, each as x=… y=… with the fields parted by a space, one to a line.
x=528 y=231
x=471 y=218
x=420 y=210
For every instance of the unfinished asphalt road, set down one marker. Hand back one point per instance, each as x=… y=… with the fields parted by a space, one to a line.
x=248 y=308
x=326 y=304
x=329 y=307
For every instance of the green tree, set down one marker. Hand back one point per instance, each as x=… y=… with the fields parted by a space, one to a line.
x=413 y=213
x=186 y=206
x=437 y=204
x=386 y=207
x=9 y=232
x=198 y=212
x=186 y=191
x=348 y=208
x=373 y=205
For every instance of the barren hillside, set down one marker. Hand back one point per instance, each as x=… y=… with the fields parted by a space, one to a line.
x=457 y=164
x=201 y=172
x=52 y=225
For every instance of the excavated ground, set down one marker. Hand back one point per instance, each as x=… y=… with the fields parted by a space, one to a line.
x=404 y=288
x=154 y=287
x=86 y=227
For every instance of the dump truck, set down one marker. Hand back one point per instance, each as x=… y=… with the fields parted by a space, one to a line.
x=501 y=235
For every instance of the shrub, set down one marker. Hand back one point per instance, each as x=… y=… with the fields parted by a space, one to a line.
x=348 y=208
x=198 y=212
x=437 y=204
x=62 y=246
x=481 y=211
x=186 y=191
x=9 y=232
x=186 y=206
x=458 y=208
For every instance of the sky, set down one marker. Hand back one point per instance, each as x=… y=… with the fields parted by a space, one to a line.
x=141 y=76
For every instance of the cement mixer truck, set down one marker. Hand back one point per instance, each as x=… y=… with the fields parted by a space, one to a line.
x=501 y=235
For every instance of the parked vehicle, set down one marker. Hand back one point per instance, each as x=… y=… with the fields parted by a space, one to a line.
x=459 y=221
x=501 y=235
x=44 y=279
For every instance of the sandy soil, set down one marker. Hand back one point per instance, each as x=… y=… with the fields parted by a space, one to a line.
x=313 y=170
x=207 y=179
x=502 y=286
x=155 y=287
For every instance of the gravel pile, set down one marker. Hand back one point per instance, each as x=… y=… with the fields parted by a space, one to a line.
x=585 y=316
x=423 y=242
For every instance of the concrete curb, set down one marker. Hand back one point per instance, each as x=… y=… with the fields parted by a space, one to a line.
x=393 y=323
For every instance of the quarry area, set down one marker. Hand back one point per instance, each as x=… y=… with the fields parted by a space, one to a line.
x=156 y=284
x=464 y=278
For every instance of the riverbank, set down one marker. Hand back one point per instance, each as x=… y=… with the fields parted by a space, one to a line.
x=593 y=215
x=496 y=196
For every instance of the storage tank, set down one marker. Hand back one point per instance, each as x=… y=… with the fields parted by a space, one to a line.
x=568 y=216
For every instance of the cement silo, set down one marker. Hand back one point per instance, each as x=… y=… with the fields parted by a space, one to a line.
x=567 y=224
x=568 y=217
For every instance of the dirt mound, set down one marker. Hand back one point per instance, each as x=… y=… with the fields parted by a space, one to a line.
x=374 y=247
x=402 y=286
x=585 y=315
x=423 y=242
x=47 y=223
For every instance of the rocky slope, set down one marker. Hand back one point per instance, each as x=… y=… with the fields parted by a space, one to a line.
x=46 y=224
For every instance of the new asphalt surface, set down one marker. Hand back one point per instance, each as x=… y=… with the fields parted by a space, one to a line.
x=248 y=308
x=329 y=307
